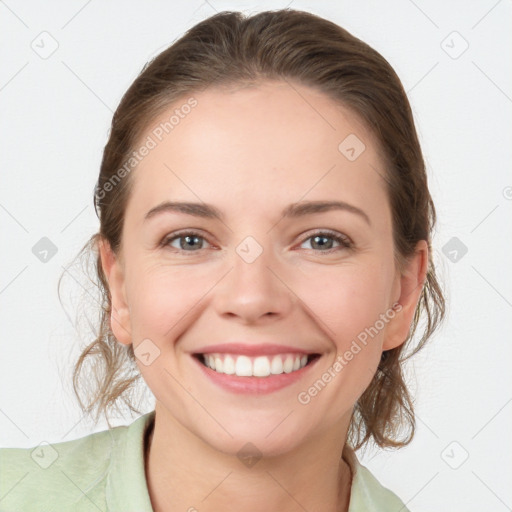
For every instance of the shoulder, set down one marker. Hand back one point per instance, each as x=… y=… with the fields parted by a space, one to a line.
x=367 y=493
x=73 y=474
x=59 y=472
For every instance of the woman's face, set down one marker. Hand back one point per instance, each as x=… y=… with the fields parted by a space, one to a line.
x=318 y=280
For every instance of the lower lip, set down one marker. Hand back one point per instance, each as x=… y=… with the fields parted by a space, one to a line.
x=254 y=385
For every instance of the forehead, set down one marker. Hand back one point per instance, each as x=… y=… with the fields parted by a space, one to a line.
x=274 y=142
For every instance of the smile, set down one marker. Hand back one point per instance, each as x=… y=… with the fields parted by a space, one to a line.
x=260 y=366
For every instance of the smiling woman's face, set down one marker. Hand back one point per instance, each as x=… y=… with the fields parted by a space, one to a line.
x=254 y=275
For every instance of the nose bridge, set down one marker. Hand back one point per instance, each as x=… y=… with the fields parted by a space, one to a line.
x=252 y=288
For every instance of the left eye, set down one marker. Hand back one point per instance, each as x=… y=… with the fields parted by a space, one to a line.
x=322 y=240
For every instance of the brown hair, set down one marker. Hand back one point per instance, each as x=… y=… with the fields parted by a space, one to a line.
x=230 y=48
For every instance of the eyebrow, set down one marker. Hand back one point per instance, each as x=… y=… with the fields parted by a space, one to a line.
x=293 y=210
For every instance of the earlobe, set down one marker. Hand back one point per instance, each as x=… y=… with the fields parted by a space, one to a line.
x=411 y=286
x=120 y=315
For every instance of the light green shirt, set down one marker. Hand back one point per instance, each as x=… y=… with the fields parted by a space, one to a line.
x=104 y=471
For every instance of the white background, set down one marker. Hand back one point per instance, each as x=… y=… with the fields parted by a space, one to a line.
x=55 y=119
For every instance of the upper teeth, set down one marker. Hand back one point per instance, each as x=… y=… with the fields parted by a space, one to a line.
x=261 y=366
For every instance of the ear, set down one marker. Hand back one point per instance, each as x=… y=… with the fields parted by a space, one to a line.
x=410 y=286
x=120 y=313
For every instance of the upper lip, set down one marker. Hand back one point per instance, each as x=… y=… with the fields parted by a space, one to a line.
x=252 y=349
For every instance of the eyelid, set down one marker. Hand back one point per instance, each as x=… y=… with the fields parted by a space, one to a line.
x=331 y=232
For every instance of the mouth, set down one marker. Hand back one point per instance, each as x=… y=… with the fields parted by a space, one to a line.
x=261 y=366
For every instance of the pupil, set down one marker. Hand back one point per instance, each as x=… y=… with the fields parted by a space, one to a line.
x=188 y=239
x=316 y=238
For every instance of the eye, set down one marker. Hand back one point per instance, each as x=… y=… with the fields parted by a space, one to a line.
x=324 y=241
x=321 y=241
x=187 y=241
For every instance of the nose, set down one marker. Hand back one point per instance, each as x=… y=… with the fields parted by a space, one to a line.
x=254 y=290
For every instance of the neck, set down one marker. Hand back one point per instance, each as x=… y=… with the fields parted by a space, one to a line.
x=184 y=473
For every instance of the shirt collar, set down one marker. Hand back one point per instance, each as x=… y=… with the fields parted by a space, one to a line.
x=126 y=484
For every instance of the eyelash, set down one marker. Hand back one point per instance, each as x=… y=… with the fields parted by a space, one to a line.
x=344 y=241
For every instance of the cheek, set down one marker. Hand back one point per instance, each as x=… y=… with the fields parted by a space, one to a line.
x=162 y=297
x=347 y=303
x=346 y=300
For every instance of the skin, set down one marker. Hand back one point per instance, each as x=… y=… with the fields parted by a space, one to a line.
x=251 y=151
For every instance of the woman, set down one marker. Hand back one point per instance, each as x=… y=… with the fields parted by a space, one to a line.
x=264 y=255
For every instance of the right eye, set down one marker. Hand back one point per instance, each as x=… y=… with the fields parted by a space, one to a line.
x=188 y=241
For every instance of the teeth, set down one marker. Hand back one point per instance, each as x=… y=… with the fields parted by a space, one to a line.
x=243 y=367
x=229 y=365
x=261 y=366
x=276 y=366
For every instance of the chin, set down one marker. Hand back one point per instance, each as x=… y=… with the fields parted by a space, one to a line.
x=255 y=440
